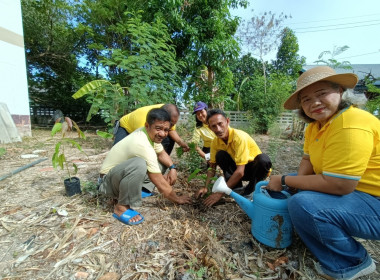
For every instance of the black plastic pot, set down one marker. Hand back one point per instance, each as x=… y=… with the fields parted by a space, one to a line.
x=72 y=186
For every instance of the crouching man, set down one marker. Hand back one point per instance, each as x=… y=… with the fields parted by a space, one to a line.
x=237 y=154
x=136 y=162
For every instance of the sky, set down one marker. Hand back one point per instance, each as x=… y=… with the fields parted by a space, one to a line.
x=322 y=25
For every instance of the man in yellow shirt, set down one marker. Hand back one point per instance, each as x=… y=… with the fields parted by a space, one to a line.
x=136 y=119
x=237 y=154
x=137 y=162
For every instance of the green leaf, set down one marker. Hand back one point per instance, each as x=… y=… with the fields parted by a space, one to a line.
x=103 y=134
x=179 y=151
x=194 y=174
x=54 y=160
x=57 y=147
x=75 y=144
x=89 y=88
x=75 y=168
x=80 y=133
x=61 y=160
x=56 y=128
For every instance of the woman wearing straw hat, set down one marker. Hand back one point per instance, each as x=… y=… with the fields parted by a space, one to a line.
x=338 y=176
x=202 y=131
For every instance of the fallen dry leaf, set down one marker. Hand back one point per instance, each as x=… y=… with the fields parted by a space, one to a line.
x=110 y=276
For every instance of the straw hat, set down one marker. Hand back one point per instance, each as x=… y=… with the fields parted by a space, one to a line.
x=317 y=74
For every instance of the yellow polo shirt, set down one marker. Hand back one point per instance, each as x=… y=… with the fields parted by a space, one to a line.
x=137 y=144
x=204 y=133
x=240 y=146
x=137 y=118
x=347 y=146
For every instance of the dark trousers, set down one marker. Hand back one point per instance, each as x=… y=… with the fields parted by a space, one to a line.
x=206 y=150
x=255 y=171
x=121 y=133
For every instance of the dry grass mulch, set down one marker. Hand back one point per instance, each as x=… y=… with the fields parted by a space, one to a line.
x=47 y=235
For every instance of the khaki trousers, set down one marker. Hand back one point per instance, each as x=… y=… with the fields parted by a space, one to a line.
x=125 y=181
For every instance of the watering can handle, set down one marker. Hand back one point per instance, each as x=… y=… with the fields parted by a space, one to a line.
x=260 y=188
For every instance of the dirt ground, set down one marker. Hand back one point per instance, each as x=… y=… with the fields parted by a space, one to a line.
x=46 y=235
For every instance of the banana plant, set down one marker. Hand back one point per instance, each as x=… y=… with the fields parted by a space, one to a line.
x=238 y=100
x=106 y=98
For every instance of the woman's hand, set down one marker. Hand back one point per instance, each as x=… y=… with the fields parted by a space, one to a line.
x=274 y=183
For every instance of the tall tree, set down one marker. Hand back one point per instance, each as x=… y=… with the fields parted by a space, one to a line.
x=209 y=30
x=288 y=61
x=201 y=31
x=264 y=106
x=261 y=35
x=52 y=50
x=144 y=73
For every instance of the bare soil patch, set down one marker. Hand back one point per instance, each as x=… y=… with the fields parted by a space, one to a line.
x=174 y=242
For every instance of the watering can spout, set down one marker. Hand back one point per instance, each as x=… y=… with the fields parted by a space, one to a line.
x=245 y=204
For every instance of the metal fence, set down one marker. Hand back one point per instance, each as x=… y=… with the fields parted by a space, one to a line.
x=288 y=122
x=41 y=115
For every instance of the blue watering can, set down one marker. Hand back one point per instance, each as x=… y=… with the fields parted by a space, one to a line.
x=271 y=224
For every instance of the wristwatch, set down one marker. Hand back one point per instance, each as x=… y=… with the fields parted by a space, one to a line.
x=172 y=167
x=285 y=187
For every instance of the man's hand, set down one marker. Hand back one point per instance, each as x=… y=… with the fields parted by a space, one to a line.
x=212 y=199
x=171 y=177
x=184 y=199
x=184 y=146
x=201 y=192
x=274 y=183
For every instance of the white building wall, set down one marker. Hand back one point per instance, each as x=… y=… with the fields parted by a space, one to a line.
x=13 y=74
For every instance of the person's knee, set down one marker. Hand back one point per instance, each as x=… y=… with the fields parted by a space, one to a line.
x=135 y=170
x=264 y=160
x=298 y=203
x=140 y=165
x=220 y=156
x=137 y=166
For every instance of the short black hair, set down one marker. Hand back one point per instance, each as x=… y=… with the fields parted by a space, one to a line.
x=215 y=111
x=157 y=114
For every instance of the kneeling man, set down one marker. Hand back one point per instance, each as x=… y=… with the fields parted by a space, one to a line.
x=137 y=162
x=237 y=154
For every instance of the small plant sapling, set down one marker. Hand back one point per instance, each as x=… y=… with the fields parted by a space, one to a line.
x=192 y=160
x=59 y=157
x=202 y=177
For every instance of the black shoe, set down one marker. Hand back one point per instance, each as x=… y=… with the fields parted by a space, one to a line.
x=249 y=188
x=247 y=193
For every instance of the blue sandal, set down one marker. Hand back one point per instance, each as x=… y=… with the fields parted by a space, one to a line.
x=145 y=194
x=127 y=215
